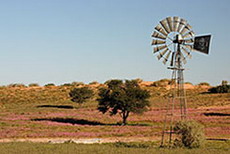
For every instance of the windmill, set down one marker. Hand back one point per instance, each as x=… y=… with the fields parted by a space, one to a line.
x=174 y=41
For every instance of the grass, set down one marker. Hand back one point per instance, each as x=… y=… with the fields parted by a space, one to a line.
x=48 y=112
x=211 y=147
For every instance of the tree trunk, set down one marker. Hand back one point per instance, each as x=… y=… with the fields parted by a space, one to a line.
x=125 y=116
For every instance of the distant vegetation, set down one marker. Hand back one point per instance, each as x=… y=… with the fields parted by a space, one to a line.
x=80 y=95
x=77 y=83
x=33 y=85
x=49 y=85
x=93 y=83
x=163 y=83
x=204 y=84
x=18 y=85
x=223 y=88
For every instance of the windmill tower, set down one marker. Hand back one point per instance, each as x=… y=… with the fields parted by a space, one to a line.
x=173 y=41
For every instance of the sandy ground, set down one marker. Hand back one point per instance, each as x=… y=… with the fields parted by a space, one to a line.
x=79 y=140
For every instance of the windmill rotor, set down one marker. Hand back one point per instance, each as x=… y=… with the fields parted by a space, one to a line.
x=170 y=32
x=174 y=32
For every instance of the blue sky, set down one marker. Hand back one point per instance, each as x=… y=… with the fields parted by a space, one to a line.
x=57 y=41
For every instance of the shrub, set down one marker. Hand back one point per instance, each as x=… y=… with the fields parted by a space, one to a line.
x=49 y=85
x=220 y=89
x=190 y=134
x=33 y=85
x=162 y=83
x=80 y=95
x=66 y=84
x=93 y=83
x=204 y=84
x=77 y=83
x=18 y=85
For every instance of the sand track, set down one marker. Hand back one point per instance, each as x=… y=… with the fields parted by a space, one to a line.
x=79 y=140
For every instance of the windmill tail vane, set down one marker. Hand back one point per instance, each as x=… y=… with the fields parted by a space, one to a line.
x=173 y=42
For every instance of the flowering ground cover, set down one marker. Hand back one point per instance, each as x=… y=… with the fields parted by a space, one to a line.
x=48 y=112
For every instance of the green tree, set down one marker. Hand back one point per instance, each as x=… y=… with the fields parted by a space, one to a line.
x=80 y=95
x=123 y=98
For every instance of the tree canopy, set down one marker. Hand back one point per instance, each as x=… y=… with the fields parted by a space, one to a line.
x=123 y=98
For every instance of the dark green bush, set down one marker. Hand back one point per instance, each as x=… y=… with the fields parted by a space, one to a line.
x=66 y=84
x=190 y=134
x=49 y=85
x=220 y=89
x=80 y=95
x=33 y=85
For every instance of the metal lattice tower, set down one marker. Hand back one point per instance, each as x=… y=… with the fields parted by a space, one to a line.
x=174 y=37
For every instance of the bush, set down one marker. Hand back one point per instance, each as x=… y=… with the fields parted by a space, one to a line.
x=66 y=85
x=190 y=134
x=80 y=95
x=162 y=83
x=93 y=83
x=18 y=85
x=49 y=85
x=33 y=85
x=204 y=84
x=77 y=83
x=220 y=89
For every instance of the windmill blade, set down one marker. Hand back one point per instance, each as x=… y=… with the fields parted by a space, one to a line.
x=189 y=27
x=172 y=59
x=188 y=46
x=158 y=48
x=170 y=22
x=189 y=34
x=160 y=29
x=158 y=35
x=181 y=24
x=166 y=57
x=165 y=25
x=189 y=40
x=184 y=30
x=162 y=53
x=176 y=21
x=156 y=42
x=188 y=54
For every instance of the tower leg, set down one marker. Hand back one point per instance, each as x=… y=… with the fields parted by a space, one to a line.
x=176 y=106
